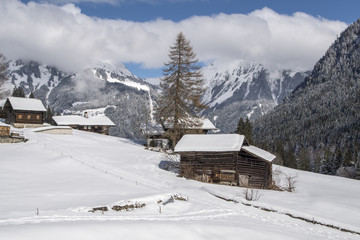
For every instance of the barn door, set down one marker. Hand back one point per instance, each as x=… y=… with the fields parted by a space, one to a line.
x=243 y=180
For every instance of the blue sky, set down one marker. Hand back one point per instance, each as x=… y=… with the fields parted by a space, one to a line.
x=72 y=34
x=176 y=10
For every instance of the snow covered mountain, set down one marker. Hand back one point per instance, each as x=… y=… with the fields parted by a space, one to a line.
x=239 y=90
x=104 y=89
x=245 y=90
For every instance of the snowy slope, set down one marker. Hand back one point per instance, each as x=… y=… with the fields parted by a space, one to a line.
x=64 y=176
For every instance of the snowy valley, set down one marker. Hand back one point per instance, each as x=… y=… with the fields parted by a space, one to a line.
x=51 y=183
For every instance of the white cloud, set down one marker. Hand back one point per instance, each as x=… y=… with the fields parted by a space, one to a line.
x=63 y=36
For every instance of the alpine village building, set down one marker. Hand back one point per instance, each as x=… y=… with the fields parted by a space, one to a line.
x=156 y=134
x=225 y=159
x=96 y=124
x=23 y=112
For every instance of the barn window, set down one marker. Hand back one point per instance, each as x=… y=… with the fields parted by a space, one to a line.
x=37 y=117
x=20 y=116
x=28 y=116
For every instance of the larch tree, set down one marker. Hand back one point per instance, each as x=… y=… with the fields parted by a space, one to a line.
x=245 y=128
x=182 y=89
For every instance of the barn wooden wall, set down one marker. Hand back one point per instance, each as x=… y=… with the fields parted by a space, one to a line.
x=206 y=166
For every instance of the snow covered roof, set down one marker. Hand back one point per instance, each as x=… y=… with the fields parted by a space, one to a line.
x=219 y=143
x=157 y=129
x=83 y=121
x=255 y=151
x=4 y=124
x=152 y=129
x=206 y=124
x=27 y=104
x=210 y=143
x=203 y=123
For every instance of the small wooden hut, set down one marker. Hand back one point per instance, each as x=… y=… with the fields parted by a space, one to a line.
x=225 y=159
x=97 y=124
x=22 y=112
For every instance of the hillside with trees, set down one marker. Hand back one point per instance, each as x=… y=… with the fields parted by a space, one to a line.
x=317 y=127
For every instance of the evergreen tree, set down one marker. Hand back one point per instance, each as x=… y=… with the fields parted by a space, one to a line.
x=304 y=160
x=348 y=161
x=48 y=115
x=182 y=89
x=289 y=159
x=245 y=128
x=240 y=127
x=249 y=131
x=18 y=92
x=337 y=160
x=31 y=95
x=326 y=163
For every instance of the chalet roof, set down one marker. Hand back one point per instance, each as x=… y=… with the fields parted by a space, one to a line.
x=156 y=129
x=204 y=124
x=220 y=143
x=210 y=143
x=26 y=104
x=255 y=151
x=82 y=121
x=4 y=124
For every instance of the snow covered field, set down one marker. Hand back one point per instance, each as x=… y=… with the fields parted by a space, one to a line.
x=49 y=184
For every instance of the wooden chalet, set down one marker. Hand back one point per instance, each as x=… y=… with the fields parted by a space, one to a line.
x=156 y=134
x=21 y=112
x=97 y=124
x=225 y=159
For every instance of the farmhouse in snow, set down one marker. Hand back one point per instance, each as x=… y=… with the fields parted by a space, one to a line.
x=21 y=112
x=97 y=124
x=156 y=134
x=225 y=159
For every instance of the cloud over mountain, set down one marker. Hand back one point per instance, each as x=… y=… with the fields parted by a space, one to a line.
x=63 y=36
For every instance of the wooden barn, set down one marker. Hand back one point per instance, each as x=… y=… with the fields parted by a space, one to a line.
x=225 y=159
x=21 y=112
x=97 y=124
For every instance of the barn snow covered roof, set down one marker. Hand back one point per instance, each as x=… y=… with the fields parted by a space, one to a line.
x=220 y=143
x=203 y=124
x=82 y=121
x=255 y=151
x=26 y=104
x=210 y=143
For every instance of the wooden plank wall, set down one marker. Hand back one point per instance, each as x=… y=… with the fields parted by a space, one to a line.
x=198 y=164
x=259 y=171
